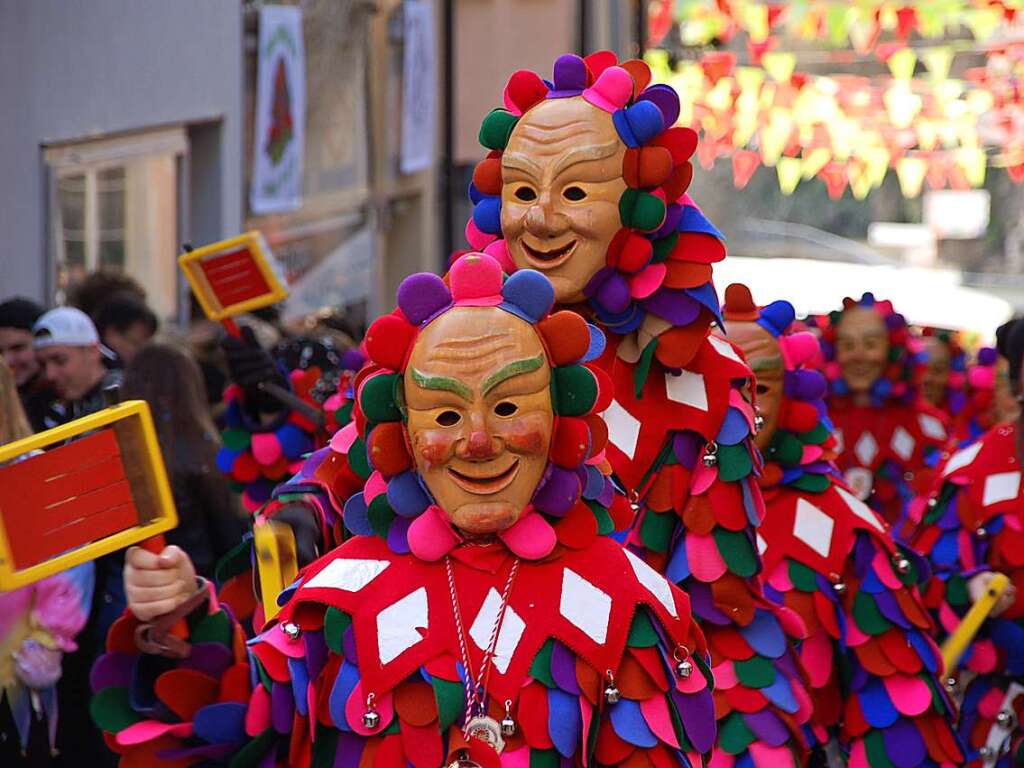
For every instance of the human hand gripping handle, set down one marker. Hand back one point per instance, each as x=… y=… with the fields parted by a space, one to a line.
x=157 y=583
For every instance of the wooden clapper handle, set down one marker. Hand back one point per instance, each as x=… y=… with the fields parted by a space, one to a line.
x=955 y=645
x=276 y=560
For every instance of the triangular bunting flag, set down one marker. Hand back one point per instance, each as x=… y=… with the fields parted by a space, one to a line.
x=835 y=177
x=744 y=164
x=789 y=171
x=779 y=65
x=910 y=171
x=937 y=61
x=902 y=63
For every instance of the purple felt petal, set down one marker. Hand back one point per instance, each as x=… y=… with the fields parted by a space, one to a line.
x=595 y=483
x=111 y=670
x=211 y=659
x=421 y=296
x=282 y=707
x=767 y=726
x=702 y=604
x=672 y=305
x=665 y=99
x=569 y=76
x=697 y=711
x=904 y=745
x=559 y=491
x=563 y=669
x=398 y=535
x=673 y=215
x=316 y=652
x=889 y=608
x=222 y=723
x=686 y=446
x=599 y=279
x=348 y=645
x=349 y=751
x=614 y=295
x=734 y=428
x=764 y=634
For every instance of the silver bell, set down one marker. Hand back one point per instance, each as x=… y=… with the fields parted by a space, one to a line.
x=684 y=669
x=903 y=565
x=933 y=503
x=985 y=752
x=950 y=683
x=981 y=533
x=1004 y=719
x=291 y=630
x=758 y=422
x=710 y=457
x=611 y=694
x=371 y=719
x=508 y=725
x=839 y=587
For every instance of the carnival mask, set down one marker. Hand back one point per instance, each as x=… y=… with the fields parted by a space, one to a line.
x=765 y=359
x=936 y=374
x=561 y=185
x=478 y=397
x=862 y=348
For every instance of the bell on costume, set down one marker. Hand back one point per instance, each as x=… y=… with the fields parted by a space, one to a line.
x=371 y=717
x=508 y=725
x=611 y=692
x=684 y=667
x=710 y=457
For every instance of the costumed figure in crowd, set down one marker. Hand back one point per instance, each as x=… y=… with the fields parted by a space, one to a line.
x=585 y=180
x=874 y=670
x=890 y=440
x=972 y=526
x=481 y=615
x=981 y=409
x=944 y=378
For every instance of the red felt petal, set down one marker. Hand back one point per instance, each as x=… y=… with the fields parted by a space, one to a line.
x=121 y=637
x=234 y=685
x=729 y=644
x=647 y=167
x=525 y=89
x=487 y=176
x=698 y=247
x=578 y=528
x=677 y=347
x=415 y=703
x=387 y=449
x=680 y=141
x=640 y=73
x=387 y=341
x=598 y=433
x=570 y=442
x=533 y=716
x=633 y=252
x=678 y=182
x=566 y=336
x=621 y=513
x=605 y=389
x=599 y=61
x=184 y=691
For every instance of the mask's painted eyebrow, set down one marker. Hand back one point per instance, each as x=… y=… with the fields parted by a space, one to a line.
x=515 y=368
x=443 y=383
x=766 y=364
x=521 y=162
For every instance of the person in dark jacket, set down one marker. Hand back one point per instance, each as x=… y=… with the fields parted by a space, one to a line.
x=17 y=317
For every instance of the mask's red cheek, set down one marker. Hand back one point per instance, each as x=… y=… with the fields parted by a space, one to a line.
x=434 y=448
x=527 y=439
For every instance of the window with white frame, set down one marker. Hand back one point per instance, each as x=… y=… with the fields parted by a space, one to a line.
x=114 y=206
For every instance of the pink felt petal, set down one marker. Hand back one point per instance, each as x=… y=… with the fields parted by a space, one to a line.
x=854 y=637
x=779 y=579
x=983 y=657
x=375 y=486
x=765 y=756
x=257 y=716
x=498 y=250
x=792 y=624
x=612 y=91
x=725 y=676
x=266 y=448
x=517 y=758
x=989 y=704
x=693 y=684
x=859 y=756
x=816 y=655
x=431 y=536
x=702 y=478
x=883 y=570
x=586 y=715
x=531 y=537
x=655 y=712
x=355 y=708
x=647 y=281
x=344 y=438
x=811 y=454
x=721 y=759
x=148 y=730
x=477 y=240
x=275 y=638
x=702 y=554
x=910 y=694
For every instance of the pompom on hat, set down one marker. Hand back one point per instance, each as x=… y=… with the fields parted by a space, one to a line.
x=662 y=255
x=574 y=501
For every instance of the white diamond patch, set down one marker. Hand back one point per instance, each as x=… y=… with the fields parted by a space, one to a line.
x=349 y=575
x=860 y=509
x=399 y=625
x=512 y=628
x=902 y=443
x=725 y=349
x=687 y=388
x=1002 y=486
x=762 y=545
x=654 y=583
x=585 y=606
x=931 y=427
x=813 y=527
x=840 y=444
x=866 y=449
x=961 y=459
x=623 y=428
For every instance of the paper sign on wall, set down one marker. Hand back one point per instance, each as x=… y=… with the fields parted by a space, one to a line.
x=280 y=133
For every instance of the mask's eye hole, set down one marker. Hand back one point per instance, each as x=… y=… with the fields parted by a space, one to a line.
x=526 y=194
x=505 y=408
x=761 y=389
x=575 y=194
x=448 y=418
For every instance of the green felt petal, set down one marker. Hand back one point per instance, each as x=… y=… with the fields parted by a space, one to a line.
x=737 y=551
x=756 y=672
x=705 y=670
x=802 y=577
x=378 y=399
x=111 y=710
x=869 y=619
x=325 y=745
x=357 y=460
x=605 y=524
x=215 y=628
x=253 y=752
x=641 y=632
x=544 y=758
x=497 y=128
x=663 y=246
x=540 y=669
x=336 y=623
x=380 y=515
x=956 y=591
x=816 y=436
x=236 y=439
x=450 y=701
x=785 y=449
x=656 y=530
x=812 y=483
x=641 y=210
x=643 y=368
x=874 y=745
x=261 y=672
x=734 y=462
x=574 y=390
x=734 y=736
x=343 y=415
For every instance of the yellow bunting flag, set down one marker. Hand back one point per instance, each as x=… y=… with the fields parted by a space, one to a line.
x=779 y=65
x=789 y=170
x=937 y=61
x=719 y=98
x=902 y=63
x=860 y=184
x=814 y=161
x=972 y=161
x=902 y=104
x=982 y=22
x=837 y=22
x=755 y=19
x=910 y=172
x=749 y=78
x=876 y=165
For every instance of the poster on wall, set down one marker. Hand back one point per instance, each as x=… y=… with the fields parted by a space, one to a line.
x=279 y=137
x=419 y=87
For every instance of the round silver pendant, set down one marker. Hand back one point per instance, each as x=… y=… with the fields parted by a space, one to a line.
x=488 y=730
x=462 y=761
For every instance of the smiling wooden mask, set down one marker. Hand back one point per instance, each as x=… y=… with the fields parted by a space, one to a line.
x=480 y=418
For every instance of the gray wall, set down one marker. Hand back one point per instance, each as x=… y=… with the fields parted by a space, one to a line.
x=73 y=70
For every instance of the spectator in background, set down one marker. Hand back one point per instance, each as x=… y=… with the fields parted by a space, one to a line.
x=38 y=624
x=72 y=359
x=17 y=316
x=209 y=520
x=124 y=324
x=99 y=287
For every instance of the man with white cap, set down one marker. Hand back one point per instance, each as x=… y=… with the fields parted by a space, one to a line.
x=72 y=359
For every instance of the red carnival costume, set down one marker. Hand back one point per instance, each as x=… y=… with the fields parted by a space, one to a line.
x=548 y=644
x=873 y=668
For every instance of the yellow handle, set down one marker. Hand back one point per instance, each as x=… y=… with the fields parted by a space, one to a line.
x=957 y=642
x=276 y=561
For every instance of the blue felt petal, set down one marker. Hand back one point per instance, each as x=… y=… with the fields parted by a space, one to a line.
x=695 y=221
x=294 y=442
x=287 y=592
x=226 y=460
x=406 y=494
x=597 y=344
x=344 y=684
x=475 y=195
x=628 y=722
x=765 y=635
x=780 y=693
x=734 y=428
x=531 y=292
x=877 y=706
x=749 y=505
x=222 y=723
x=678 y=566
x=595 y=483
x=946 y=550
x=487 y=215
x=357 y=518
x=564 y=724
x=707 y=296
x=300 y=679
x=872 y=584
